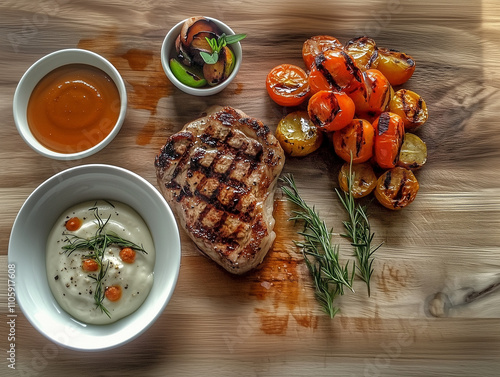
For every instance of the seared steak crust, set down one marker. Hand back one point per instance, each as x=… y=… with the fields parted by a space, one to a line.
x=219 y=174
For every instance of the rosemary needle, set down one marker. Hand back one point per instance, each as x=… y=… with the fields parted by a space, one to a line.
x=358 y=231
x=320 y=256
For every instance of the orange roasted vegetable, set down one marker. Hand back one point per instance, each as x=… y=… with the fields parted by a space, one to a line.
x=330 y=111
x=338 y=70
x=317 y=44
x=396 y=188
x=356 y=140
x=287 y=85
x=363 y=50
x=127 y=255
x=397 y=66
x=378 y=95
x=410 y=107
x=389 y=135
x=113 y=293
x=89 y=265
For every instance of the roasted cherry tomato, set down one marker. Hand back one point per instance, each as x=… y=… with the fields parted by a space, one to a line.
x=356 y=140
x=363 y=182
x=378 y=94
x=318 y=81
x=410 y=107
x=330 y=111
x=389 y=135
x=397 y=66
x=396 y=188
x=339 y=71
x=413 y=152
x=313 y=46
x=298 y=135
x=287 y=85
x=363 y=50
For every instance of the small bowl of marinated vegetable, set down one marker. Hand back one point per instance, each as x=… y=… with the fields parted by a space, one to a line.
x=201 y=55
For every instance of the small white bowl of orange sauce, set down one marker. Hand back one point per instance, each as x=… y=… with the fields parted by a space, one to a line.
x=70 y=104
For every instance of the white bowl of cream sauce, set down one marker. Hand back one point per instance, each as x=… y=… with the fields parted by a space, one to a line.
x=137 y=212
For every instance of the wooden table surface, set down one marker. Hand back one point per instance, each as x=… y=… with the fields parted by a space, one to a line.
x=435 y=304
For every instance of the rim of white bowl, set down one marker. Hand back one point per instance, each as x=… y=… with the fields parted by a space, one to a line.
x=167 y=45
x=42 y=67
x=129 y=327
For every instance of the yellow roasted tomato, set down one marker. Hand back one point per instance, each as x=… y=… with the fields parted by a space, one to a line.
x=396 y=188
x=363 y=50
x=396 y=66
x=413 y=153
x=363 y=182
x=297 y=135
x=410 y=107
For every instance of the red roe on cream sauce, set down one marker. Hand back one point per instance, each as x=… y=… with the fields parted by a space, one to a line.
x=73 y=224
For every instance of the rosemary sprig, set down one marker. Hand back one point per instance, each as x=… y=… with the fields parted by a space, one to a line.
x=96 y=246
x=320 y=256
x=358 y=231
x=76 y=243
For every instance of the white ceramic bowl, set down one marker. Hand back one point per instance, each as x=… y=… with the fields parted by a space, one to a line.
x=40 y=69
x=27 y=253
x=166 y=53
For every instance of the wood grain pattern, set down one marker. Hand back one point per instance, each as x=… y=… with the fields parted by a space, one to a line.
x=435 y=305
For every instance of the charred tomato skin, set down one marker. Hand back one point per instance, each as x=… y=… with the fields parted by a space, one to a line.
x=396 y=188
x=355 y=140
x=335 y=70
x=330 y=111
x=389 y=136
x=396 y=66
x=363 y=50
x=411 y=107
x=317 y=44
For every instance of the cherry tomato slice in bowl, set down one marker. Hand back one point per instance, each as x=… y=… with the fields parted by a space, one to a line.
x=287 y=85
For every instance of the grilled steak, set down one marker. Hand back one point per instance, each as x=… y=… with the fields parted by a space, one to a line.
x=219 y=175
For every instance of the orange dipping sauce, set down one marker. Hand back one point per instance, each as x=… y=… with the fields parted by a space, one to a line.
x=73 y=108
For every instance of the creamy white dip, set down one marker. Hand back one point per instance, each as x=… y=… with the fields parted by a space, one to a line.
x=74 y=288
